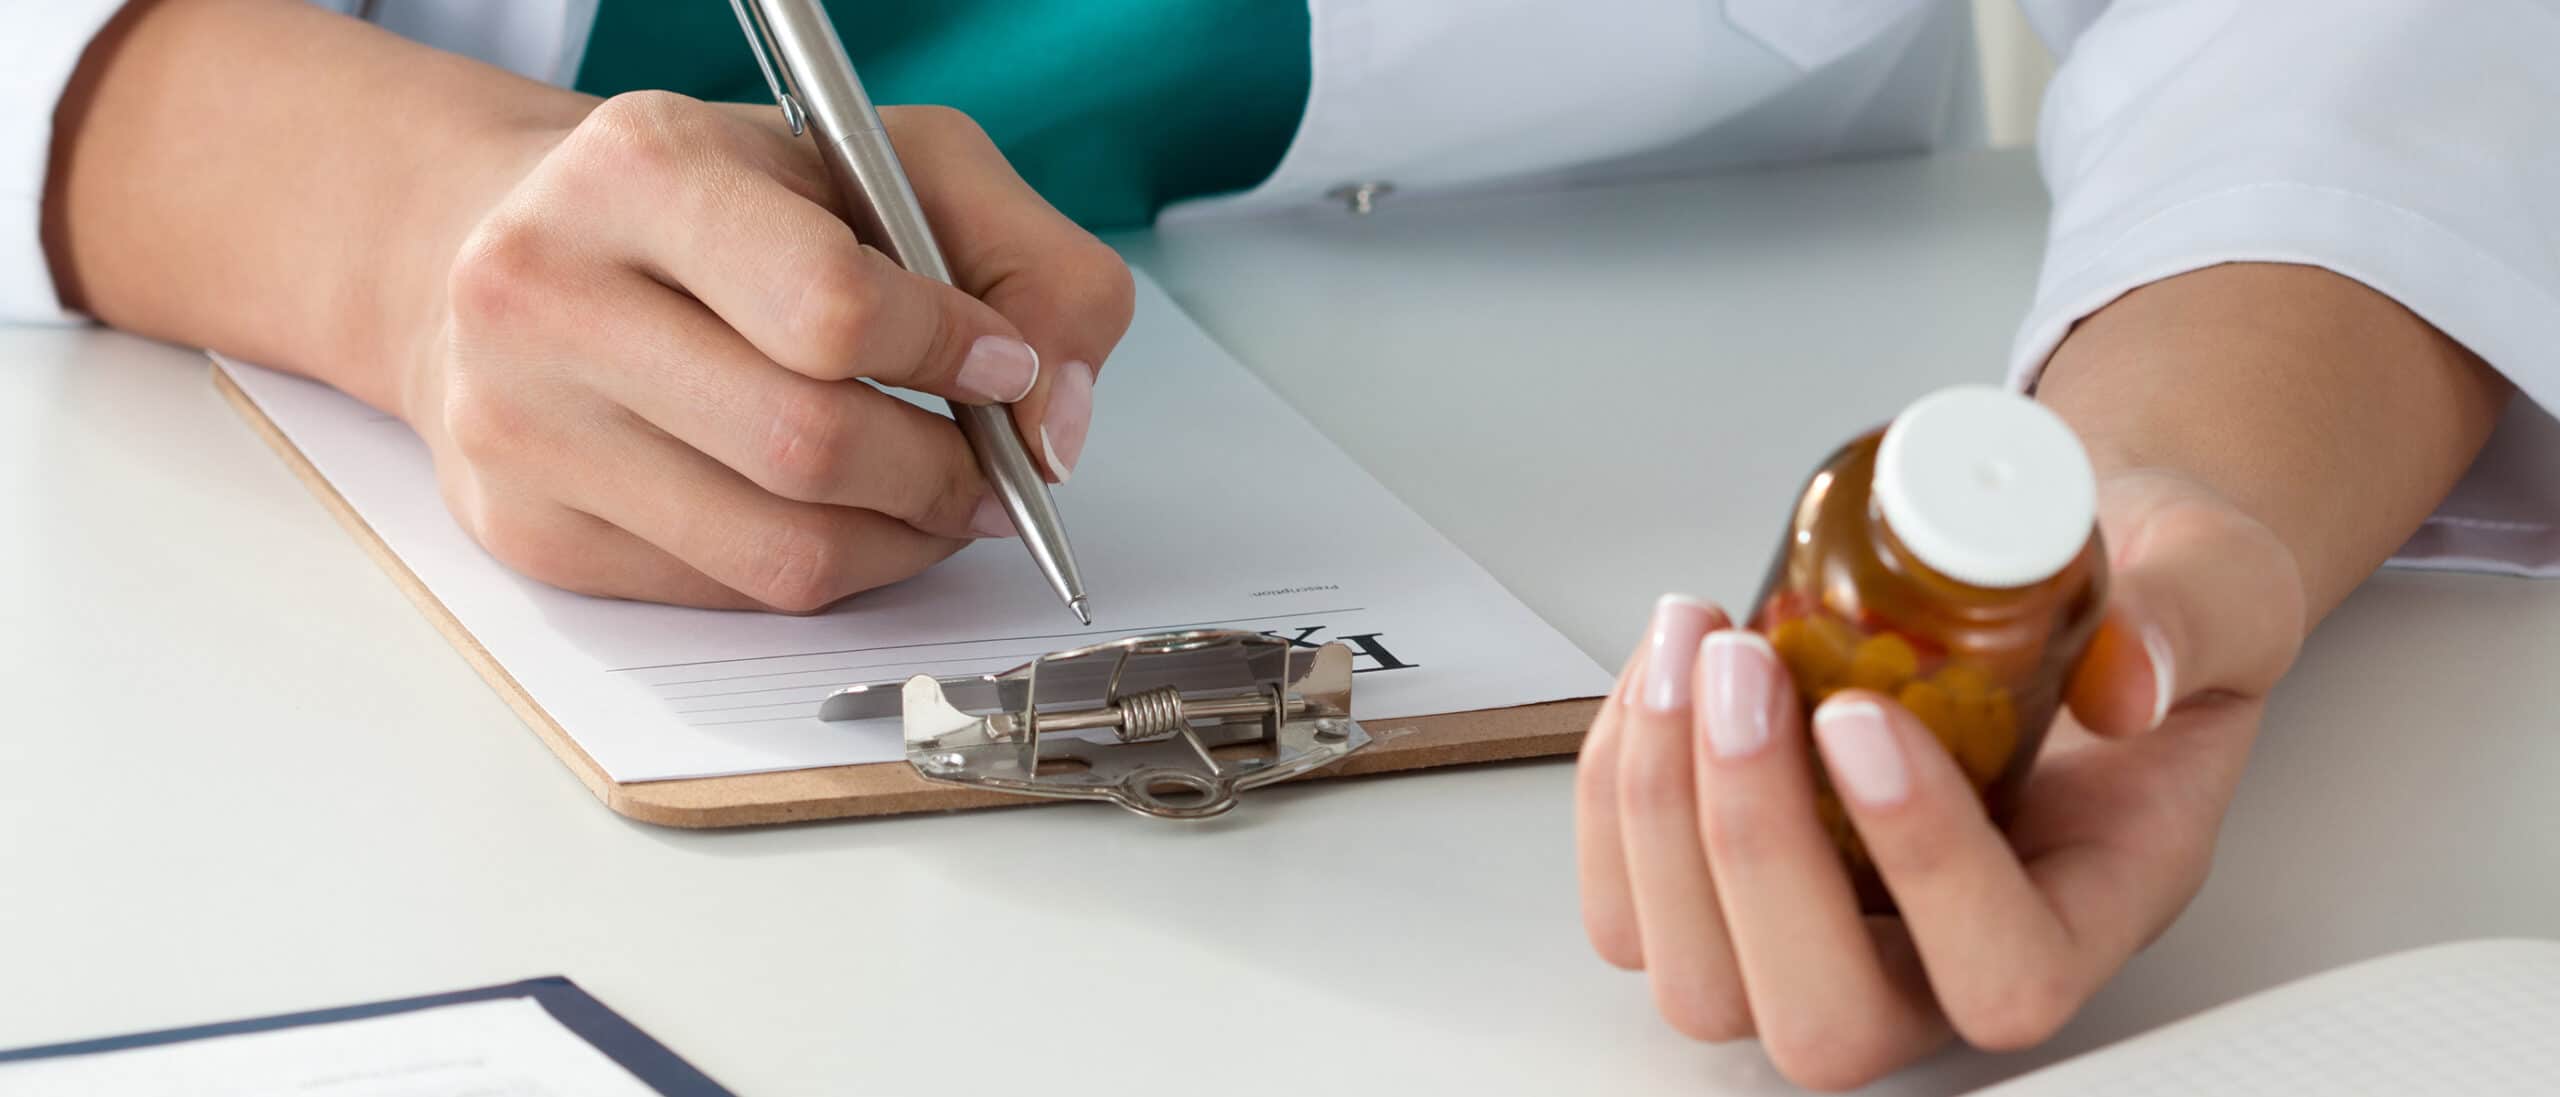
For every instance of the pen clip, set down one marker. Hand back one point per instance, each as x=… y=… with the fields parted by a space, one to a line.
x=762 y=42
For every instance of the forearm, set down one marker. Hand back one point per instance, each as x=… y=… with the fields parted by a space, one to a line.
x=272 y=180
x=2314 y=404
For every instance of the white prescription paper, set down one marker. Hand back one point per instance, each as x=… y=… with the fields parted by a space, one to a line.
x=1202 y=501
x=503 y=1047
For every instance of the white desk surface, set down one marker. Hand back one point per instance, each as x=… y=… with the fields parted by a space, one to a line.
x=240 y=775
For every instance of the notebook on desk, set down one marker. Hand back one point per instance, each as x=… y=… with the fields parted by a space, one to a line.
x=2472 y=1019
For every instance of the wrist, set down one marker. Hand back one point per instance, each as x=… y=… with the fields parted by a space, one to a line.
x=427 y=224
x=294 y=210
x=2305 y=400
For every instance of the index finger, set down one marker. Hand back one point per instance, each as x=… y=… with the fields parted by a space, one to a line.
x=1827 y=1009
x=690 y=195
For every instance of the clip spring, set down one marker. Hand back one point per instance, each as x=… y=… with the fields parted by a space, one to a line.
x=1152 y=714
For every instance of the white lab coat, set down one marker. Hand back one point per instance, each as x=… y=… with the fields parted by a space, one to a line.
x=2413 y=145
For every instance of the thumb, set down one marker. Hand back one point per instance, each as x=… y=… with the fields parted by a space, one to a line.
x=1074 y=311
x=2205 y=602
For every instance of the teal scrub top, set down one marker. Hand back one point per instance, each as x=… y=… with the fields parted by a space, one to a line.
x=1111 y=109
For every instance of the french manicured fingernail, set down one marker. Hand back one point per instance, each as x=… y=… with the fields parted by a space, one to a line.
x=2164 y=673
x=1741 y=685
x=990 y=520
x=1070 y=415
x=1857 y=745
x=999 y=368
x=1671 y=651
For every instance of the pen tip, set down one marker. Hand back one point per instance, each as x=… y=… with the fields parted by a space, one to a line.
x=1082 y=614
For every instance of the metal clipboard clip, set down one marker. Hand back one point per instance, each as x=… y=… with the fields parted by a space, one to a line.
x=1171 y=724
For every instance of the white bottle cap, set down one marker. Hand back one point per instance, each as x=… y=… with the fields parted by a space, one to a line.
x=1986 y=487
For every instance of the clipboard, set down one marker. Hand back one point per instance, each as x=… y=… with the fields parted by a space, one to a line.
x=886 y=788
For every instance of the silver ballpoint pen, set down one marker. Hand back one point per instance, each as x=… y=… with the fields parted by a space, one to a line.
x=813 y=81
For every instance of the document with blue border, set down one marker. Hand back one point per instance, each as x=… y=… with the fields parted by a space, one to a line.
x=538 y=1038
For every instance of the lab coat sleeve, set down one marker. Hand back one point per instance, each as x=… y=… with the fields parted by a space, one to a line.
x=40 y=44
x=2412 y=145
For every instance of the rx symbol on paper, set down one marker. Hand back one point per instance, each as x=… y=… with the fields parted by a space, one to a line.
x=1368 y=653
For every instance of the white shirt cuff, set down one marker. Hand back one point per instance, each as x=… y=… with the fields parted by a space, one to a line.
x=40 y=46
x=2502 y=516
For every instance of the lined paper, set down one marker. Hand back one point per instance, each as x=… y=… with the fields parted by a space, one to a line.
x=1202 y=501
x=2475 y=1019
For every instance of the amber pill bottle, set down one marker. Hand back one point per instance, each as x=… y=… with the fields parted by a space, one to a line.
x=1950 y=561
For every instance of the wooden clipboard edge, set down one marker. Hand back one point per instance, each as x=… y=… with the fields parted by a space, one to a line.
x=891 y=788
x=881 y=788
x=491 y=671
